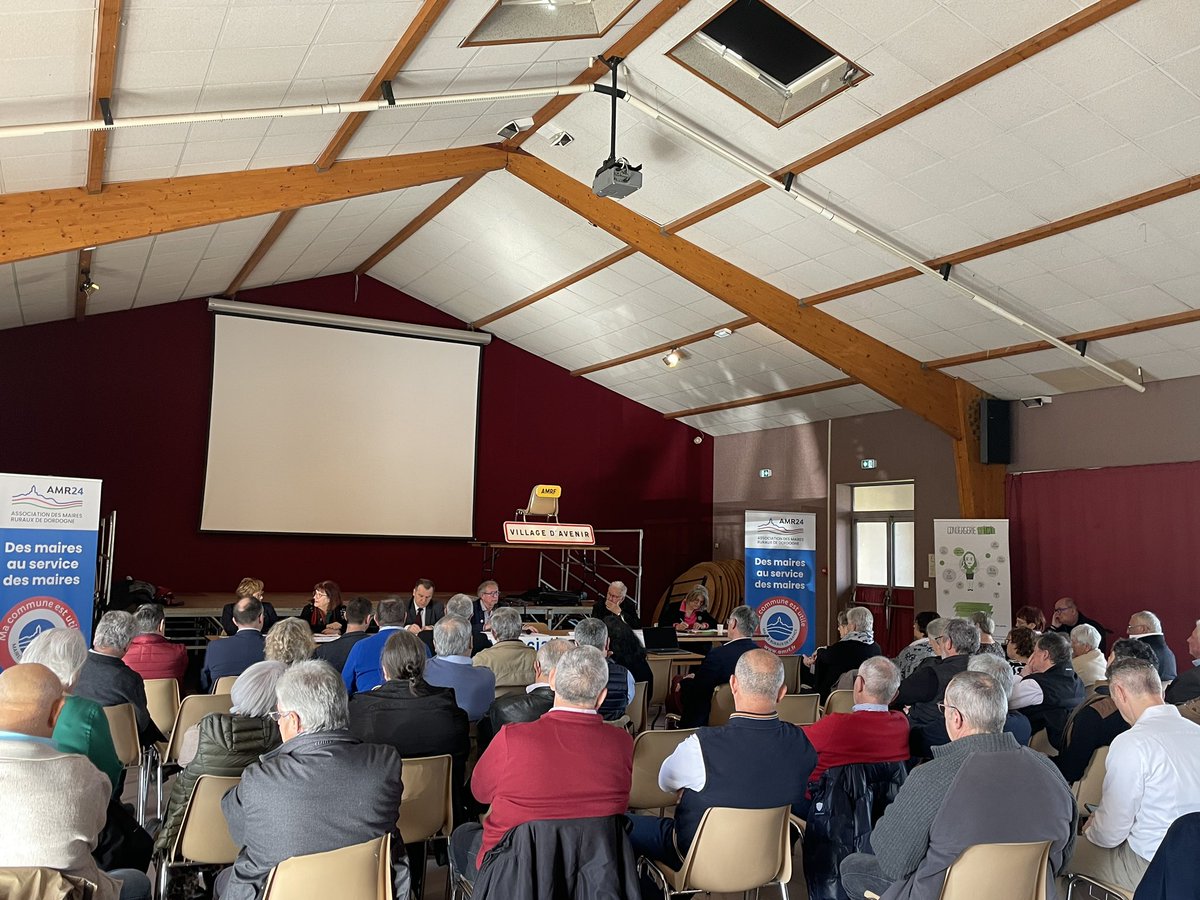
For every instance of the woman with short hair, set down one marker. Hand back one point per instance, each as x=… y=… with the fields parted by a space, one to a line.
x=289 y=642
x=691 y=614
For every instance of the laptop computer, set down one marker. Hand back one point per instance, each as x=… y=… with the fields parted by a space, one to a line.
x=662 y=640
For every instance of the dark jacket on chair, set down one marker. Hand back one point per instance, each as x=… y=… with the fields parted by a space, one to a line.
x=231 y=656
x=567 y=859
x=109 y=682
x=928 y=683
x=1184 y=688
x=528 y=706
x=835 y=660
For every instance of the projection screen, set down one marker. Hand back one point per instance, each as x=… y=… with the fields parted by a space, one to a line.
x=321 y=430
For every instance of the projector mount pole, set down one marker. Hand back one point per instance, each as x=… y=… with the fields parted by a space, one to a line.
x=612 y=62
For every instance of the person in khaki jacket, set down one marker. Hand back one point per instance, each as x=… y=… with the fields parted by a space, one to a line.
x=509 y=659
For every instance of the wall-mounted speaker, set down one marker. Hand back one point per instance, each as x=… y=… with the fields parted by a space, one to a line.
x=995 y=431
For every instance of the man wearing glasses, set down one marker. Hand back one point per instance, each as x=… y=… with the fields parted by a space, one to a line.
x=488 y=598
x=1067 y=616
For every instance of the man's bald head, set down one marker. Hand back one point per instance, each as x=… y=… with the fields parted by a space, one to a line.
x=31 y=697
x=757 y=681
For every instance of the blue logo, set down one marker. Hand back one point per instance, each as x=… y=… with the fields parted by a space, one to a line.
x=780 y=627
x=30 y=630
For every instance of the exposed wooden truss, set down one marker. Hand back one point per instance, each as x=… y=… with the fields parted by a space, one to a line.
x=105 y=61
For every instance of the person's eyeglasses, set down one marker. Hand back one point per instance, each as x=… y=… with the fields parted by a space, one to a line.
x=491 y=594
x=275 y=715
x=1061 y=608
x=942 y=707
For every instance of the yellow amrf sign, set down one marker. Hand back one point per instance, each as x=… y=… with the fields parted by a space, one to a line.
x=547 y=491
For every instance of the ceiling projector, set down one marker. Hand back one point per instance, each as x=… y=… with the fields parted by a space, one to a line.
x=617 y=179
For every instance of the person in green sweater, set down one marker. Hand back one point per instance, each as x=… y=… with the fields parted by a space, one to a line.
x=82 y=727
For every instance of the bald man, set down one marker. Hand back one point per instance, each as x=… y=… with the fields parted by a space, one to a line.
x=63 y=798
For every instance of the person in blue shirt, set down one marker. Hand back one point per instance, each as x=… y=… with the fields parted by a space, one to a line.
x=362 y=671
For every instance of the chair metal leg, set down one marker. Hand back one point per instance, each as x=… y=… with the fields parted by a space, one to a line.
x=143 y=787
x=782 y=891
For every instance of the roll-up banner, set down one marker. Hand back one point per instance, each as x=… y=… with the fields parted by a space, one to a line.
x=48 y=535
x=973 y=569
x=781 y=550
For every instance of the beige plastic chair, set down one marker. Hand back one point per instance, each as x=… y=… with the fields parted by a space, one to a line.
x=539 y=627
x=122 y=722
x=203 y=837
x=839 y=702
x=361 y=872
x=162 y=699
x=506 y=689
x=661 y=669
x=722 y=705
x=1082 y=882
x=427 y=805
x=734 y=851
x=546 y=507
x=650 y=749
x=799 y=709
x=999 y=872
x=191 y=711
x=791 y=673
x=638 y=709
x=1089 y=788
x=224 y=684
x=1041 y=743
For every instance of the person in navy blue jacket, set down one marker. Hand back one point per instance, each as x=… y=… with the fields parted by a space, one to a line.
x=234 y=655
x=719 y=664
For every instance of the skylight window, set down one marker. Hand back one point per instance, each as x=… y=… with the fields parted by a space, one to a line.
x=522 y=21
x=766 y=62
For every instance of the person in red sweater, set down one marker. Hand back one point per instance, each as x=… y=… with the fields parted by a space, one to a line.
x=150 y=654
x=520 y=774
x=872 y=732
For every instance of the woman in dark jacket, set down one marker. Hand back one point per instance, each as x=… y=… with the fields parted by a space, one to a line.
x=628 y=651
x=691 y=614
x=227 y=743
x=326 y=614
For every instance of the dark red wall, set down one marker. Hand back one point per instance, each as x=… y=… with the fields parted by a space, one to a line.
x=124 y=397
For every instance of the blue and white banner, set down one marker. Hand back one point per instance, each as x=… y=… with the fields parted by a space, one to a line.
x=48 y=536
x=781 y=577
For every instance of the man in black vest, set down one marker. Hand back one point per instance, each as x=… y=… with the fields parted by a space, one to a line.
x=1049 y=688
x=594 y=633
x=928 y=683
x=754 y=762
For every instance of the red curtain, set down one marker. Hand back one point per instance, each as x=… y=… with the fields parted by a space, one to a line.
x=893 y=616
x=1117 y=540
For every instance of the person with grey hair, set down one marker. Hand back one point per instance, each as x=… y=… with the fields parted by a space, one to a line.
x=1187 y=686
x=616 y=603
x=689 y=615
x=591 y=632
x=82 y=726
x=150 y=654
x=106 y=679
x=696 y=689
x=463 y=606
x=321 y=790
x=225 y=743
x=1146 y=627
x=521 y=772
x=1049 y=688
x=536 y=700
x=1151 y=778
x=936 y=814
x=856 y=644
x=1086 y=658
x=487 y=600
x=474 y=688
x=928 y=734
x=987 y=627
x=709 y=768
x=928 y=683
x=921 y=647
x=509 y=658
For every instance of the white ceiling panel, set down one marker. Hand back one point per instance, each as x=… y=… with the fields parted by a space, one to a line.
x=38 y=290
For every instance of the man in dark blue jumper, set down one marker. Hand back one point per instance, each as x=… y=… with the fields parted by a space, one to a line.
x=754 y=762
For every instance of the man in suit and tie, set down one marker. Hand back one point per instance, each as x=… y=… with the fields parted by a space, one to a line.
x=718 y=665
x=234 y=655
x=423 y=611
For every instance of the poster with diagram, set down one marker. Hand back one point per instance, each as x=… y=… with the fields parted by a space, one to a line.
x=974 y=569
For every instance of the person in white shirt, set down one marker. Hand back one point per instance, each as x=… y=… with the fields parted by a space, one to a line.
x=1088 y=662
x=1152 y=778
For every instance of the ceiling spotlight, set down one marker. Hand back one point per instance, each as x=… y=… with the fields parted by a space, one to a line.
x=515 y=127
x=561 y=138
x=88 y=287
x=672 y=359
x=723 y=332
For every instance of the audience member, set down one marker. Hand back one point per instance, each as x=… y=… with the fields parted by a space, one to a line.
x=82 y=726
x=463 y=606
x=325 y=613
x=248 y=587
x=487 y=598
x=1049 y=688
x=1067 y=616
x=474 y=686
x=1019 y=646
x=510 y=660
x=423 y=612
x=1030 y=617
x=1152 y=777
x=521 y=772
x=870 y=732
x=225 y=743
x=696 y=689
x=233 y=655
x=920 y=649
x=964 y=796
x=322 y=790
x=857 y=643
x=531 y=705
x=1086 y=658
x=289 y=642
x=150 y=654
x=106 y=679
x=591 y=632
x=57 y=800
x=928 y=683
x=361 y=671
x=987 y=627
x=710 y=767
x=689 y=615
x=615 y=603
x=1187 y=686
x=628 y=651
x=358 y=619
x=1146 y=627
x=932 y=733
x=1097 y=720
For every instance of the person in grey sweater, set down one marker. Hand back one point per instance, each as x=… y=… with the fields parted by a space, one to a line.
x=962 y=798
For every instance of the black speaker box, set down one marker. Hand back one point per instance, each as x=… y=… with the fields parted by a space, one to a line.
x=995 y=431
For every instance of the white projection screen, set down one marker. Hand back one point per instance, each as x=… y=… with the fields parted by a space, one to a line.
x=321 y=430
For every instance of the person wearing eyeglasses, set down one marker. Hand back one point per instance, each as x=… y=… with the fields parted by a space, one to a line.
x=964 y=797
x=487 y=599
x=1067 y=616
x=1145 y=626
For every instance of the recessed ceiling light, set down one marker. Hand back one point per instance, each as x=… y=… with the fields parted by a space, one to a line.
x=723 y=332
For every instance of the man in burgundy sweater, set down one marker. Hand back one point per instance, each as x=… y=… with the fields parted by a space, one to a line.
x=150 y=654
x=520 y=774
x=871 y=733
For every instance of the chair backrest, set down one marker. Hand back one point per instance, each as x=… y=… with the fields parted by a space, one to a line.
x=650 y=749
x=361 y=872
x=191 y=711
x=638 y=708
x=162 y=699
x=737 y=850
x=427 y=806
x=791 y=673
x=999 y=872
x=122 y=722
x=799 y=709
x=203 y=833
x=539 y=627
x=839 y=702
x=1041 y=743
x=30 y=883
x=1089 y=788
x=224 y=684
x=503 y=690
x=722 y=705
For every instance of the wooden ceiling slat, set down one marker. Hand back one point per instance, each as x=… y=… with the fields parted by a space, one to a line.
x=281 y=222
x=105 y=66
x=665 y=346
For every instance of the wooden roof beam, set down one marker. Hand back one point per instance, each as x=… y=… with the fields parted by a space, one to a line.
x=82 y=274
x=105 y=67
